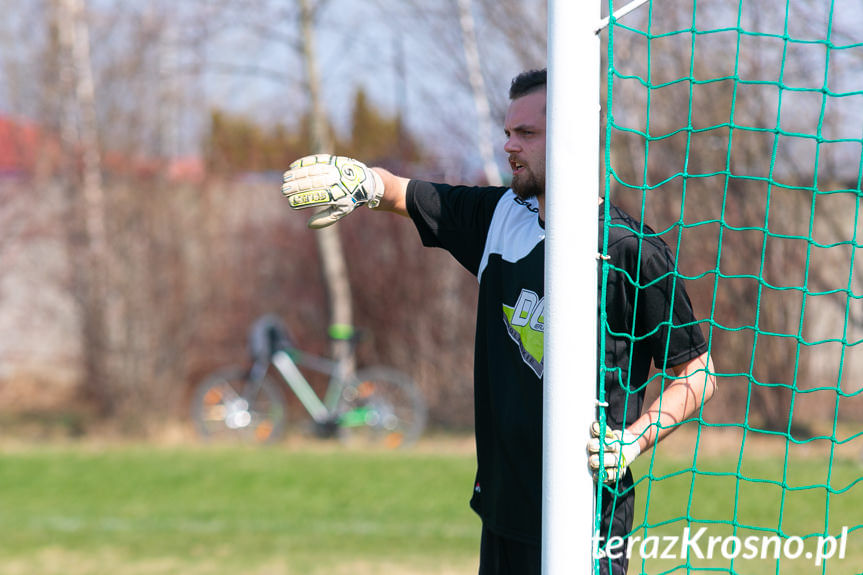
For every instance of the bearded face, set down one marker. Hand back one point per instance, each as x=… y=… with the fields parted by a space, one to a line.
x=527 y=183
x=525 y=131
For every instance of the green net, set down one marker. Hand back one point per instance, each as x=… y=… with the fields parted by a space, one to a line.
x=734 y=129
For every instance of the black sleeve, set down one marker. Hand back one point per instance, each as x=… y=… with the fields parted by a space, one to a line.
x=455 y=218
x=664 y=313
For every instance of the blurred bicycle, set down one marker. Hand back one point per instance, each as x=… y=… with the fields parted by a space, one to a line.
x=376 y=405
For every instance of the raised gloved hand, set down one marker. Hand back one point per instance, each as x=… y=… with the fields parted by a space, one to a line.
x=621 y=449
x=338 y=183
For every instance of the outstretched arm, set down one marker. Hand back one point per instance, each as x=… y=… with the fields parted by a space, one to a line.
x=395 y=190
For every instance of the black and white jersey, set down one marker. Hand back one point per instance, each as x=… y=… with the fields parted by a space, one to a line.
x=500 y=239
x=649 y=317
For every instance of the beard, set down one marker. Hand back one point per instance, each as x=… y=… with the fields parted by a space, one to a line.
x=527 y=186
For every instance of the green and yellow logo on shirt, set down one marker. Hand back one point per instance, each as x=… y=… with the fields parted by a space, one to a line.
x=525 y=323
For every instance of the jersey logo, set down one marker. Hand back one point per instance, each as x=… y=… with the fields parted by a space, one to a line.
x=525 y=323
x=530 y=207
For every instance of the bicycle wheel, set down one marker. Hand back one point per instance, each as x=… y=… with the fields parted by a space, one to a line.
x=381 y=406
x=226 y=406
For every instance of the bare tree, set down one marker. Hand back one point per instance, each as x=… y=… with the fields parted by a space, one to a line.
x=334 y=266
x=480 y=97
x=89 y=248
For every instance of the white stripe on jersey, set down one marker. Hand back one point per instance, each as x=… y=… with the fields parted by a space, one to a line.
x=514 y=230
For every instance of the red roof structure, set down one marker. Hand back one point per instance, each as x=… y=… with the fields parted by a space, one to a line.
x=24 y=147
x=19 y=146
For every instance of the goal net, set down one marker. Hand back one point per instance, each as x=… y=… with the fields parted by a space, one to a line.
x=734 y=129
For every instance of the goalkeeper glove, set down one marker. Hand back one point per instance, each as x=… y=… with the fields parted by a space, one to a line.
x=338 y=183
x=620 y=450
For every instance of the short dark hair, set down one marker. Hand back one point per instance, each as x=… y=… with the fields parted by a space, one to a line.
x=527 y=82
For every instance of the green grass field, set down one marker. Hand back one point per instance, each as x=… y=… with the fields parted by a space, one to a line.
x=131 y=510
x=750 y=502
x=316 y=508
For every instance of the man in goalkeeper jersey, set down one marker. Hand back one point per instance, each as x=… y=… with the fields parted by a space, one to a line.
x=498 y=235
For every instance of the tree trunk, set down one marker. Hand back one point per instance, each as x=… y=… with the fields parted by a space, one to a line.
x=480 y=97
x=89 y=245
x=329 y=243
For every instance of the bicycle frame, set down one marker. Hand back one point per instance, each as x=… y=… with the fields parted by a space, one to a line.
x=376 y=403
x=289 y=371
x=287 y=363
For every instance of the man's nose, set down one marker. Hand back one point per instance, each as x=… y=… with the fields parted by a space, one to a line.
x=511 y=145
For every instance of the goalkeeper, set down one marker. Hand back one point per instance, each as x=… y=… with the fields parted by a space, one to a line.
x=498 y=235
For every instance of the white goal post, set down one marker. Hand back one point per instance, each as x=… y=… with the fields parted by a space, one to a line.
x=570 y=284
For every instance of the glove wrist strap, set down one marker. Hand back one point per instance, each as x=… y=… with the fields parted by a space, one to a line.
x=377 y=190
x=630 y=448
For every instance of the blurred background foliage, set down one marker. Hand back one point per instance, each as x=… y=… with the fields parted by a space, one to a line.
x=142 y=145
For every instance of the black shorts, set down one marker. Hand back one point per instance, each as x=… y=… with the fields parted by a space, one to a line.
x=503 y=556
